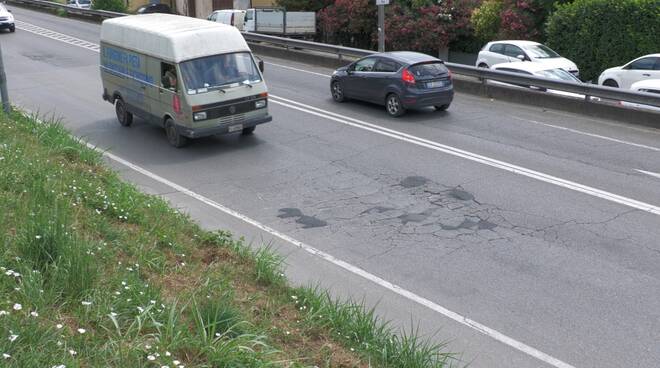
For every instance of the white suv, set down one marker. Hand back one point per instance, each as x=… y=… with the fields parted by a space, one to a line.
x=643 y=68
x=498 y=52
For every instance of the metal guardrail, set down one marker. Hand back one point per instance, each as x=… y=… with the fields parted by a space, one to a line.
x=587 y=90
x=99 y=14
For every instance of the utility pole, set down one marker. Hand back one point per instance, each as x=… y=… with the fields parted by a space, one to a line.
x=381 y=23
x=4 y=96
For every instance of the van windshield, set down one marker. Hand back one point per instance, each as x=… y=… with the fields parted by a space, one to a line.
x=218 y=72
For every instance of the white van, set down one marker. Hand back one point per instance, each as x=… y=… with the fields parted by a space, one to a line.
x=192 y=77
x=230 y=17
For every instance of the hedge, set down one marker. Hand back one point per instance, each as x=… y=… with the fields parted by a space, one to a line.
x=600 y=34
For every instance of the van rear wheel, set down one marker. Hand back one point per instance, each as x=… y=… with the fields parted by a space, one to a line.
x=124 y=117
x=173 y=136
x=248 y=131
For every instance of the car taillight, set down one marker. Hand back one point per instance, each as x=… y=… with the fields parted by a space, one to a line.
x=176 y=104
x=449 y=74
x=407 y=76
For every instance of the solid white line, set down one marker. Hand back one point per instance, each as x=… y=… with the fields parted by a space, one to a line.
x=296 y=69
x=649 y=173
x=657 y=149
x=349 y=267
x=467 y=155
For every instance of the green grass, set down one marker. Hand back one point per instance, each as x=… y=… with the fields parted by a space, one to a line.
x=95 y=273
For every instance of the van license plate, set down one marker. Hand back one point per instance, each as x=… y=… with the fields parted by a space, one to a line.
x=436 y=84
x=235 y=128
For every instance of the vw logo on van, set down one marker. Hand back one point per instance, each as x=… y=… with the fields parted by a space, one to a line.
x=232 y=109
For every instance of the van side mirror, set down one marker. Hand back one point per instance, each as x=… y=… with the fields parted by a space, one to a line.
x=261 y=65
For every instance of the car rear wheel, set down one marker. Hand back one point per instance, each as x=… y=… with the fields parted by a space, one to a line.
x=393 y=105
x=611 y=83
x=12 y=29
x=483 y=65
x=124 y=117
x=337 y=92
x=441 y=107
x=173 y=136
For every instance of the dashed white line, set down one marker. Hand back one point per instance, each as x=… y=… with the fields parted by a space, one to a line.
x=649 y=173
x=657 y=149
x=298 y=70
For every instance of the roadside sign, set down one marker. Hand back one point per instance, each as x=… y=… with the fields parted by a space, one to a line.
x=382 y=2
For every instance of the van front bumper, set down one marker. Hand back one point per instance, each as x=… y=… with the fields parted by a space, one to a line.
x=222 y=129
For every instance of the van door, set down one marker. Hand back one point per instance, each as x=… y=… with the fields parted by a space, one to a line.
x=248 y=25
x=127 y=72
x=169 y=101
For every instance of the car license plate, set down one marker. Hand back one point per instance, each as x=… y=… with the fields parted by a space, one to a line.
x=235 y=128
x=436 y=84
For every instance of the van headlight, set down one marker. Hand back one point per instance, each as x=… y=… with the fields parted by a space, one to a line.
x=199 y=116
x=260 y=104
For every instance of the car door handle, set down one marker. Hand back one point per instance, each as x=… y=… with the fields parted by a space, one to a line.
x=646 y=75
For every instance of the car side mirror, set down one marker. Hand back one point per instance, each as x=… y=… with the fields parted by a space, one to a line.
x=521 y=57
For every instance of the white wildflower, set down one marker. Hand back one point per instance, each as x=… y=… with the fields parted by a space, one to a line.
x=81 y=331
x=59 y=326
x=151 y=357
x=6 y=356
x=18 y=306
x=34 y=314
x=86 y=303
x=72 y=352
x=13 y=338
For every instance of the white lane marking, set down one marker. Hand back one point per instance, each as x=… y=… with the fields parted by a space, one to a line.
x=649 y=173
x=483 y=329
x=657 y=149
x=349 y=267
x=296 y=69
x=24 y=26
x=467 y=155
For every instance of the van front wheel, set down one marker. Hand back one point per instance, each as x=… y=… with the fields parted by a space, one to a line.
x=124 y=117
x=173 y=136
x=248 y=131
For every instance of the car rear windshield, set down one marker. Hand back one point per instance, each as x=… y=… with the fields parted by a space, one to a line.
x=541 y=52
x=432 y=69
x=219 y=71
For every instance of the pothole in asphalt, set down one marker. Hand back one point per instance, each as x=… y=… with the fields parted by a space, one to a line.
x=413 y=181
x=307 y=222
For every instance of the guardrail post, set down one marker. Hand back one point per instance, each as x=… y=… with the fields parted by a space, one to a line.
x=4 y=95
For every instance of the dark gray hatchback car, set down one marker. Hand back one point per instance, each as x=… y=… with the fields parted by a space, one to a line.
x=399 y=80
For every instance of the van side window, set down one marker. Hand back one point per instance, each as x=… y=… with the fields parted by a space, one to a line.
x=168 y=76
x=249 y=15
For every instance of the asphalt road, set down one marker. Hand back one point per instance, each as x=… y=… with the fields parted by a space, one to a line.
x=571 y=272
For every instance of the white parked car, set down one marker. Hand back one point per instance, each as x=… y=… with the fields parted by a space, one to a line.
x=649 y=86
x=643 y=68
x=81 y=4
x=498 y=52
x=6 y=19
x=539 y=70
x=230 y=17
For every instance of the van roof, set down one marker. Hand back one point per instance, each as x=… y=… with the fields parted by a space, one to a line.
x=172 y=37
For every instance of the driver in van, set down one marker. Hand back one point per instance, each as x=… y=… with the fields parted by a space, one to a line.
x=169 y=78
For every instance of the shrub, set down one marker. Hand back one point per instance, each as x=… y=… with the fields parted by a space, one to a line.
x=304 y=5
x=110 y=5
x=349 y=22
x=599 y=34
x=486 y=19
x=427 y=28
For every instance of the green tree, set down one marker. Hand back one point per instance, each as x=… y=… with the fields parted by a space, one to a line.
x=110 y=5
x=599 y=34
x=486 y=19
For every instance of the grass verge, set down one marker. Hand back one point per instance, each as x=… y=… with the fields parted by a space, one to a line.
x=95 y=273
